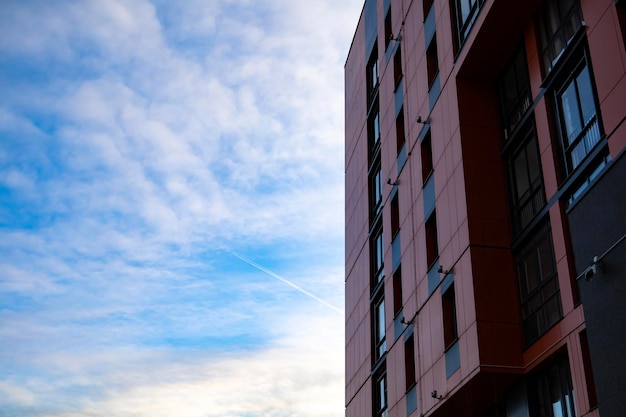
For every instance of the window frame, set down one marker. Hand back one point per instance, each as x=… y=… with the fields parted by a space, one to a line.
x=546 y=41
x=534 y=197
x=535 y=293
x=542 y=387
x=592 y=126
x=463 y=26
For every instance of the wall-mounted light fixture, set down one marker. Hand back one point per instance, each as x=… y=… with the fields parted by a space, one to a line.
x=392 y=183
x=423 y=122
x=596 y=267
x=443 y=271
x=434 y=395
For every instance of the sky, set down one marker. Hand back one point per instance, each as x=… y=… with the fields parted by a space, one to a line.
x=171 y=207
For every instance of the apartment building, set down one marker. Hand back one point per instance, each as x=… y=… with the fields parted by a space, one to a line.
x=486 y=209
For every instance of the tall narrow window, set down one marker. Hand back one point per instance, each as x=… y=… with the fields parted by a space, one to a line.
x=432 y=249
x=514 y=92
x=373 y=123
x=558 y=22
x=427 y=4
x=380 y=394
x=380 y=344
x=580 y=130
x=465 y=12
x=427 y=157
x=397 y=68
x=375 y=190
x=400 y=137
x=621 y=16
x=450 y=331
x=372 y=75
x=377 y=255
x=539 y=286
x=388 y=30
x=432 y=62
x=550 y=392
x=397 y=291
x=409 y=363
x=526 y=181
x=395 y=216
x=590 y=383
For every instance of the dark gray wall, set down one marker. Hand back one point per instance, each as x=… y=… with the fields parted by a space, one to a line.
x=596 y=223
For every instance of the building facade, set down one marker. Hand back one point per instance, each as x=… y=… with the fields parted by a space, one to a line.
x=486 y=209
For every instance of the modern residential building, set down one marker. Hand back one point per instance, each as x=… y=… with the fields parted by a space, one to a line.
x=486 y=209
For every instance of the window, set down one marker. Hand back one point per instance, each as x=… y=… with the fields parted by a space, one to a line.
x=427 y=157
x=395 y=216
x=397 y=291
x=550 y=392
x=538 y=283
x=377 y=255
x=397 y=68
x=380 y=344
x=621 y=16
x=525 y=180
x=374 y=130
x=432 y=61
x=514 y=92
x=578 y=119
x=409 y=362
x=558 y=22
x=375 y=190
x=432 y=249
x=380 y=394
x=465 y=12
x=427 y=4
x=388 y=30
x=450 y=332
x=372 y=75
x=589 y=381
x=400 y=137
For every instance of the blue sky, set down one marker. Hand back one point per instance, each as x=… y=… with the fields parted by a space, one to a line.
x=171 y=207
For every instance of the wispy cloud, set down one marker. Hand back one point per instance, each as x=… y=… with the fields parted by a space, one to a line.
x=136 y=135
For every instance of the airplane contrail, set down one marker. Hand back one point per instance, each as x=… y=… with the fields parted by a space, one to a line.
x=278 y=277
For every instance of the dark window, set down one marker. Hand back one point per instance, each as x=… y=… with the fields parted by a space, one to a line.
x=374 y=130
x=397 y=68
x=432 y=61
x=450 y=332
x=465 y=12
x=380 y=394
x=372 y=75
x=578 y=118
x=432 y=249
x=427 y=157
x=397 y=291
x=409 y=363
x=591 y=386
x=558 y=22
x=380 y=344
x=375 y=190
x=400 y=137
x=377 y=246
x=525 y=179
x=621 y=16
x=550 y=392
x=514 y=89
x=539 y=286
x=388 y=30
x=395 y=216
x=427 y=4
